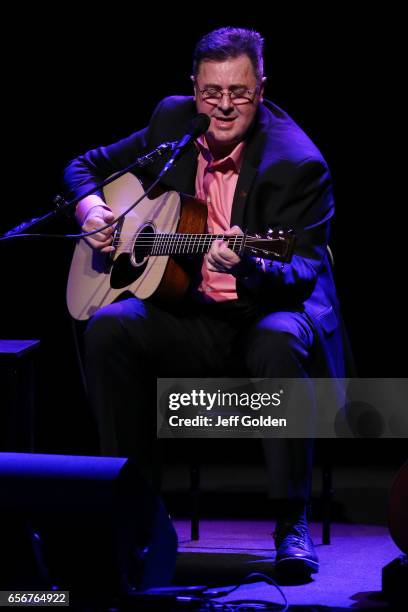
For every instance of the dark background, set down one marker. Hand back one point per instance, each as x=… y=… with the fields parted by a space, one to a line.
x=73 y=82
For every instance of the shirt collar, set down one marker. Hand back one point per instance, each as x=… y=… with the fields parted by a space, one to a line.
x=235 y=156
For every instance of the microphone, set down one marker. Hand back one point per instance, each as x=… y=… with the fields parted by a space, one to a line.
x=198 y=126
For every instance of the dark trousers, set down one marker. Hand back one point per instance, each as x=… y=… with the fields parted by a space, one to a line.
x=130 y=343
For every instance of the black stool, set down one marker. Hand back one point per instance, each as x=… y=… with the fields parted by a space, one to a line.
x=326 y=496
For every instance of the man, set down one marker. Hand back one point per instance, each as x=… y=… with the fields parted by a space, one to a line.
x=256 y=170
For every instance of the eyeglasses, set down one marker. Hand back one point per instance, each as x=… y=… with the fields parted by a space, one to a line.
x=239 y=95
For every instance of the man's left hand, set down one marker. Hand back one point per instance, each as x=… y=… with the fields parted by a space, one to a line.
x=221 y=258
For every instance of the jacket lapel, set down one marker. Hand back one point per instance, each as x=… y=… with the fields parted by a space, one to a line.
x=245 y=180
x=249 y=169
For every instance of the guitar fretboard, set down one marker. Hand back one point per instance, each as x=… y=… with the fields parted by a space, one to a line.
x=183 y=244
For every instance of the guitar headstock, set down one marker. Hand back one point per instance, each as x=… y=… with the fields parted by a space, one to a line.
x=276 y=244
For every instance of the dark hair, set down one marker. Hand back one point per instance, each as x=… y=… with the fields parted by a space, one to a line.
x=225 y=43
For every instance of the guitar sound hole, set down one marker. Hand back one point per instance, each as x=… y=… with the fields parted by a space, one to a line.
x=143 y=244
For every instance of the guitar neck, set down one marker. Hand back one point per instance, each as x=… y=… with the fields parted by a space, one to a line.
x=193 y=244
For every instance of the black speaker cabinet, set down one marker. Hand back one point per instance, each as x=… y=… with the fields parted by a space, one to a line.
x=91 y=525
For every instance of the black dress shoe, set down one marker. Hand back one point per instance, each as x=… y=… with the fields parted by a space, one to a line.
x=295 y=553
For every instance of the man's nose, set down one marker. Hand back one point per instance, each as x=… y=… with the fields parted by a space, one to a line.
x=225 y=103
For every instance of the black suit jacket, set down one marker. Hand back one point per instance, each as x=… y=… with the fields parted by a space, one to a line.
x=284 y=182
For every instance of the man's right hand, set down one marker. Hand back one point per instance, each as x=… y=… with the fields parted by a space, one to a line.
x=97 y=217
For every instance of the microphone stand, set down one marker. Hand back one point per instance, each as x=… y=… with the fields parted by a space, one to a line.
x=62 y=205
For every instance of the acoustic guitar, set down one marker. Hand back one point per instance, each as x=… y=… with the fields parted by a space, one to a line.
x=153 y=244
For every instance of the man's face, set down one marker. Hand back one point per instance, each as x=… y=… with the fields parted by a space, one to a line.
x=229 y=121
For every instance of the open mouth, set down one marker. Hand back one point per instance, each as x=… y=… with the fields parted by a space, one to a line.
x=224 y=121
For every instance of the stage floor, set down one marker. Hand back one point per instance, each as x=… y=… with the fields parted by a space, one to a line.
x=229 y=550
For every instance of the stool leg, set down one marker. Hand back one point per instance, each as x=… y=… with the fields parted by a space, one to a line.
x=327 y=491
x=157 y=467
x=30 y=406
x=194 y=493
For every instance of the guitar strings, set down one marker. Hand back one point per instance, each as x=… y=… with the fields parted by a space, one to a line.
x=191 y=238
x=184 y=243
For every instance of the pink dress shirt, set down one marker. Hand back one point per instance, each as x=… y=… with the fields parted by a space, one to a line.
x=215 y=184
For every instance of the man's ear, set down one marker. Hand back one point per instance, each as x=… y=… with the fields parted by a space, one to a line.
x=262 y=88
x=195 y=87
